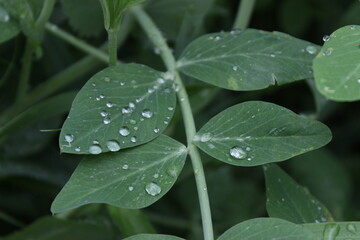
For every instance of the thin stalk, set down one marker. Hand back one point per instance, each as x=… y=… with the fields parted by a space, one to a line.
x=25 y=71
x=158 y=40
x=45 y=14
x=244 y=14
x=112 y=36
x=80 y=44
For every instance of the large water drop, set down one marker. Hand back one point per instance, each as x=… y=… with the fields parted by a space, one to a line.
x=153 y=189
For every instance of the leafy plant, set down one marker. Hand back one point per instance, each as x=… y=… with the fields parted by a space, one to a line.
x=124 y=125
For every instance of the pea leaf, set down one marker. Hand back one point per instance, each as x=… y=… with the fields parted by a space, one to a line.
x=119 y=107
x=134 y=178
x=254 y=133
x=337 y=66
x=153 y=237
x=290 y=201
x=247 y=60
x=265 y=229
x=9 y=28
x=338 y=230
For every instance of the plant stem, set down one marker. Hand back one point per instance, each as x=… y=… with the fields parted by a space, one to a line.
x=112 y=36
x=80 y=44
x=244 y=14
x=45 y=14
x=25 y=72
x=156 y=37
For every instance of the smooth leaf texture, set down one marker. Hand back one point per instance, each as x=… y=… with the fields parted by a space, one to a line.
x=254 y=133
x=153 y=237
x=337 y=66
x=134 y=178
x=288 y=200
x=266 y=229
x=248 y=60
x=119 y=107
x=335 y=231
x=8 y=27
x=49 y=228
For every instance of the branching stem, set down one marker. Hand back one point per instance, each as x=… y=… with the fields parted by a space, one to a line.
x=244 y=14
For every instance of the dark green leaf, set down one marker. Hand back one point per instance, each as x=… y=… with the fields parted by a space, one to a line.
x=337 y=66
x=153 y=237
x=335 y=231
x=49 y=228
x=134 y=178
x=288 y=200
x=9 y=28
x=119 y=107
x=248 y=60
x=266 y=229
x=253 y=133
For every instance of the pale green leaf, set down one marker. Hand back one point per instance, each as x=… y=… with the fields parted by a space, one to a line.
x=266 y=229
x=248 y=60
x=134 y=178
x=254 y=133
x=335 y=231
x=337 y=66
x=153 y=237
x=288 y=200
x=119 y=107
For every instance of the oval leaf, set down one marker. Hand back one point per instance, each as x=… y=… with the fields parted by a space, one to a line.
x=133 y=178
x=9 y=28
x=266 y=229
x=153 y=237
x=253 y=133
x=288 y=200
x=337 y=66
x=338 y=230
x=248 y=60
x=119 y=107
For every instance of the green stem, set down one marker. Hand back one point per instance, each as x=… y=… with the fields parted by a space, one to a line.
x=45 y=14
x=244 y=14
x=112 y=36
x=25 y=72
x=77 y=42
x=156 y=37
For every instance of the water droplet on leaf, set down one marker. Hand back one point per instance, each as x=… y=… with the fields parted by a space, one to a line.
x=109 y=104
x=156 y=130
x=326 y=38
x=311 y=49
x=69 y=138
x=107 y=120
x=125 y=167
x=238 y=153
x=153 y=189
x=205 y=137
x=104 y=113
x=95 y=149
x=147 y=113
x=113 y=145
x=331 y=231
x=131 y=188
x=124 y=131
x=351 y=228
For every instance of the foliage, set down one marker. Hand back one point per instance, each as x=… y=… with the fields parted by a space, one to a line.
x=260 y=96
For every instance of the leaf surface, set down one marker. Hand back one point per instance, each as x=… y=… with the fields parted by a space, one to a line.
x=153 y=237
x=134 y=178
x=289 y=201
x=119 y=107
x=254 y=133
x=9 y=28
x=266 y=229
x=337 y=66
x=335 y=231
x=248 y=60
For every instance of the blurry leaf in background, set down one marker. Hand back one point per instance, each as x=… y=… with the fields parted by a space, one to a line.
x=9 y=27
x=153 y=237
x=326 y=177
x=49 y=228
x=248 y=59
x=337 y=66
x=289 y=201
x=84 y=16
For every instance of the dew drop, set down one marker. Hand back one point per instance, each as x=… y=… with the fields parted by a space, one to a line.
x=326 y=38
x=95 y=149
x=138 y=100
x=97 y=99
x=132 y=121
x=69 y=138
x=102 y=96
x=352 y=27
x=104 y=113
x=156 y=175
x=311 y=49
x=122 y=83
x=235 y=68
x=113 y=145
x=95 y=142
x=131 y=105
x=272 y=55
x=331 y=231
x=109 y=104
x=147 y=113
x=77 y=149
x=170 y=108
x=151 y=90
x=172 y=172
x=238 y=153
x=131 y=188
x=217 y=38
x=106 y=79
x=351 y=228
x=153 y=189
x=133 y=139
x=157 y=50
x=107 y=120
x=4 y=16
x=126 y=110
x=205 y=137
x=156 y=130
x=358 y=80
x=327 y=52
x=124 y=131
x=169 y=75
x=247 y=148
x=125 y=167
x=160 y=80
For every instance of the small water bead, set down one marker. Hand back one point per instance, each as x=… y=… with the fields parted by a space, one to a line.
x=311 y=49
x=351 y=228
x=331 y=231
x=147 y=113
x=238 y=153
x=182 y=99
x=358 y=80
x=327 y=52
x=4 y=16
x=160 y=80
x=126 y=110
x=131 y=188
x=109 y=104
x=132 y=121
x=352 y=27
x=107 y=120
x=93 y=84
x=170 y=108
x=97 y=99
x=205 y=137
x=77 y=149
x=153 y=189
x=156 y=175
x=69 y=138
x=172 y=172
x=122 y=83
x=106 y=79
x=151 y=90
x=272 y=55
x=95 y=149
x=156 y=130
x=95 y=142
x=131 y=105
x=326 y=38
x=138 y=100
x=247 y=148
x=124 y=131
x=125 y=167
x=166 y=122
x=169 y=75
x=133 y=139
x=102 y=96
x=104 y=113
x=235 y=68
x=113 y=145
x=217 y=38
x=157 y=50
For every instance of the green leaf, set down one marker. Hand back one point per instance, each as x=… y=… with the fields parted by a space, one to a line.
x=9 y=28
x=119 y=107
x=134 y=178
x=266 y=229
x=254 y=133
x=248 y=60
x=337 y=66
x=153 y=237
x=335 y=231
x=288 y=200
x=85 y=16
x=49 y=228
